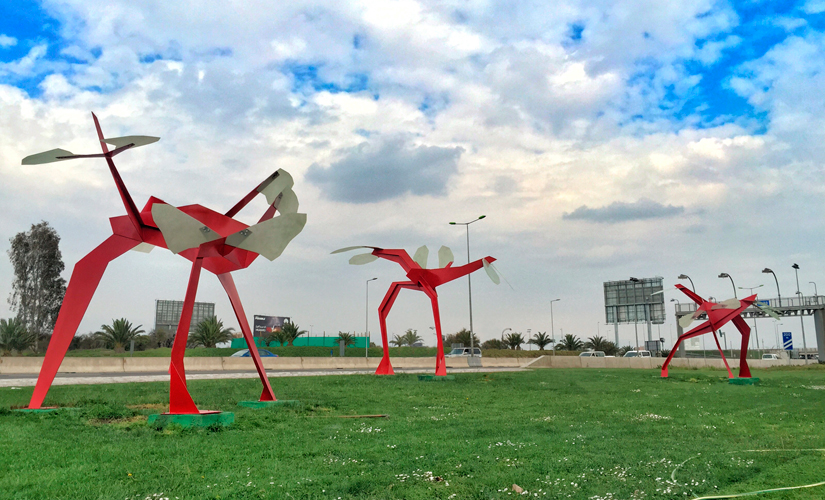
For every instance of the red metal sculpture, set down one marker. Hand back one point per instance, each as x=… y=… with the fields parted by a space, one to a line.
x=717 y=315
x=210 y=240
x=422 y=279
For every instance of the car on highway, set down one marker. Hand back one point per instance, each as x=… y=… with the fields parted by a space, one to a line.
x=592 y=354
x=637 y=354
x=463 y=351
x=244 y=353
x=770 y=357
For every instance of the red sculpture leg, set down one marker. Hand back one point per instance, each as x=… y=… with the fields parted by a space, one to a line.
x=82 y=285
x=730 y=373
x=440 y=362
x=385 y=367
x=229 y=285
x=745 y=330
x=180 y=401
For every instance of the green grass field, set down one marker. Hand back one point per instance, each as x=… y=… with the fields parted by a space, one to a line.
x=588 y=434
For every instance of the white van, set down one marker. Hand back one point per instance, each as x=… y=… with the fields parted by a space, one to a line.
x=637 y=354
x=769 y=357
x=463 y=351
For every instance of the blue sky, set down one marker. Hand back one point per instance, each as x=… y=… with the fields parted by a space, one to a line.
x=602 y=139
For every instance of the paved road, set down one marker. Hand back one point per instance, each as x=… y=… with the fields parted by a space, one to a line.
x=28 y=380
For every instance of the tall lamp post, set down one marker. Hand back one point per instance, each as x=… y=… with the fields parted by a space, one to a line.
x=367 y=320
x=769 y=271
x=801 y=318
x=552 y=327
x=750 y=290
x=686 y=277
x=469 y=282
x=726 y=275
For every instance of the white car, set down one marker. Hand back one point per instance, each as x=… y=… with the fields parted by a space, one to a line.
x=637 y=354
x=463 y=351
x=592 y=354
x=770 y=357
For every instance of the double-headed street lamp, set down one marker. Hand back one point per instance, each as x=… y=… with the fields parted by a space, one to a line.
x=469 y=282
x=367 y=320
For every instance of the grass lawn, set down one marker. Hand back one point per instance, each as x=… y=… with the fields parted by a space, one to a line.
x=582 y=434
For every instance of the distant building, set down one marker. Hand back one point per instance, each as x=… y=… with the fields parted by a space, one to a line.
x=167 y=314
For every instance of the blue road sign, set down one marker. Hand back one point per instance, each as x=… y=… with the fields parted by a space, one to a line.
x=787 y=341
x=763 y=302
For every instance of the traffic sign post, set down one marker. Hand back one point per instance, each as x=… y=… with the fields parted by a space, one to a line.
x=787 y=341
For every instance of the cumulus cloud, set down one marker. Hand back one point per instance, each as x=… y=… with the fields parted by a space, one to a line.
x=382 y=170
x=619 y=211
x=7 y=41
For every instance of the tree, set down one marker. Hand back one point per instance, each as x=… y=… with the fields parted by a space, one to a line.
x=411 y=337
x=541 y=339
x=514 y=340
x=292 y=331
x=14 y=338
x=348 y=338
x=279 y=336
x=117 y=335
x=597 y=343
x=570 y=343
x=493 y=344
x=461 y=337
x=210 y=332
x=397 y=340
x=160 y=338
x=37 y=289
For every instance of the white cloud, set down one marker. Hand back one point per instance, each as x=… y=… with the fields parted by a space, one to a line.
x=7 y=41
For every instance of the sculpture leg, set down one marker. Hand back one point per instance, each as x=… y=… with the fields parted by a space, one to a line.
x=82 y=285
x=229 y=285
x=745 y=330
x=385 y=367
x=440 y=362
x=730 y=373
x=180 y=401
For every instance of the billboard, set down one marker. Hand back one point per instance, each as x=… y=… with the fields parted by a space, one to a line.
x=633 y=301
x=264 y=325
x=168 y=312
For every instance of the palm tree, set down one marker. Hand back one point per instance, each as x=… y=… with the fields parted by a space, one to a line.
x=397 y=340
x=411 y=337
x=211 y=332
x=494 y=344
x=348 y=338
x=14 y=337
x=462 y=337
x=292 y=330
x=118 y=334
x=597 y=343
x=514 y=340
x=280 y=336
x=540 y=339
x=570 y=343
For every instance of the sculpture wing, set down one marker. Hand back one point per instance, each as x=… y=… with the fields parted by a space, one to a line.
x=686 y=320
x=491 y=272
x=348 y=249
x=288 y=202
x=181 y=231
x=362 y=258
x=275 y=185
x=270 y=237
x=135 y=140
x=49 y=156
x=728 y=304
x=767 y=310
x=421 y=256
x=445 y=256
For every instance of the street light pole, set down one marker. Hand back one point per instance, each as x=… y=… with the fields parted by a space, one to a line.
x=750 y=290
x=726 y=275
x=686 y=277
x=367 y=321
x=469 y=282
x=767 y=271
x=801 y=318
x=552 y=327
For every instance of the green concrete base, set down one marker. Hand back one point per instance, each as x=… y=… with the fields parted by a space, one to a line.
x=38 y=410
x=435 y=378
x=222 y=418
x=269 y=404
x=744 y=381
